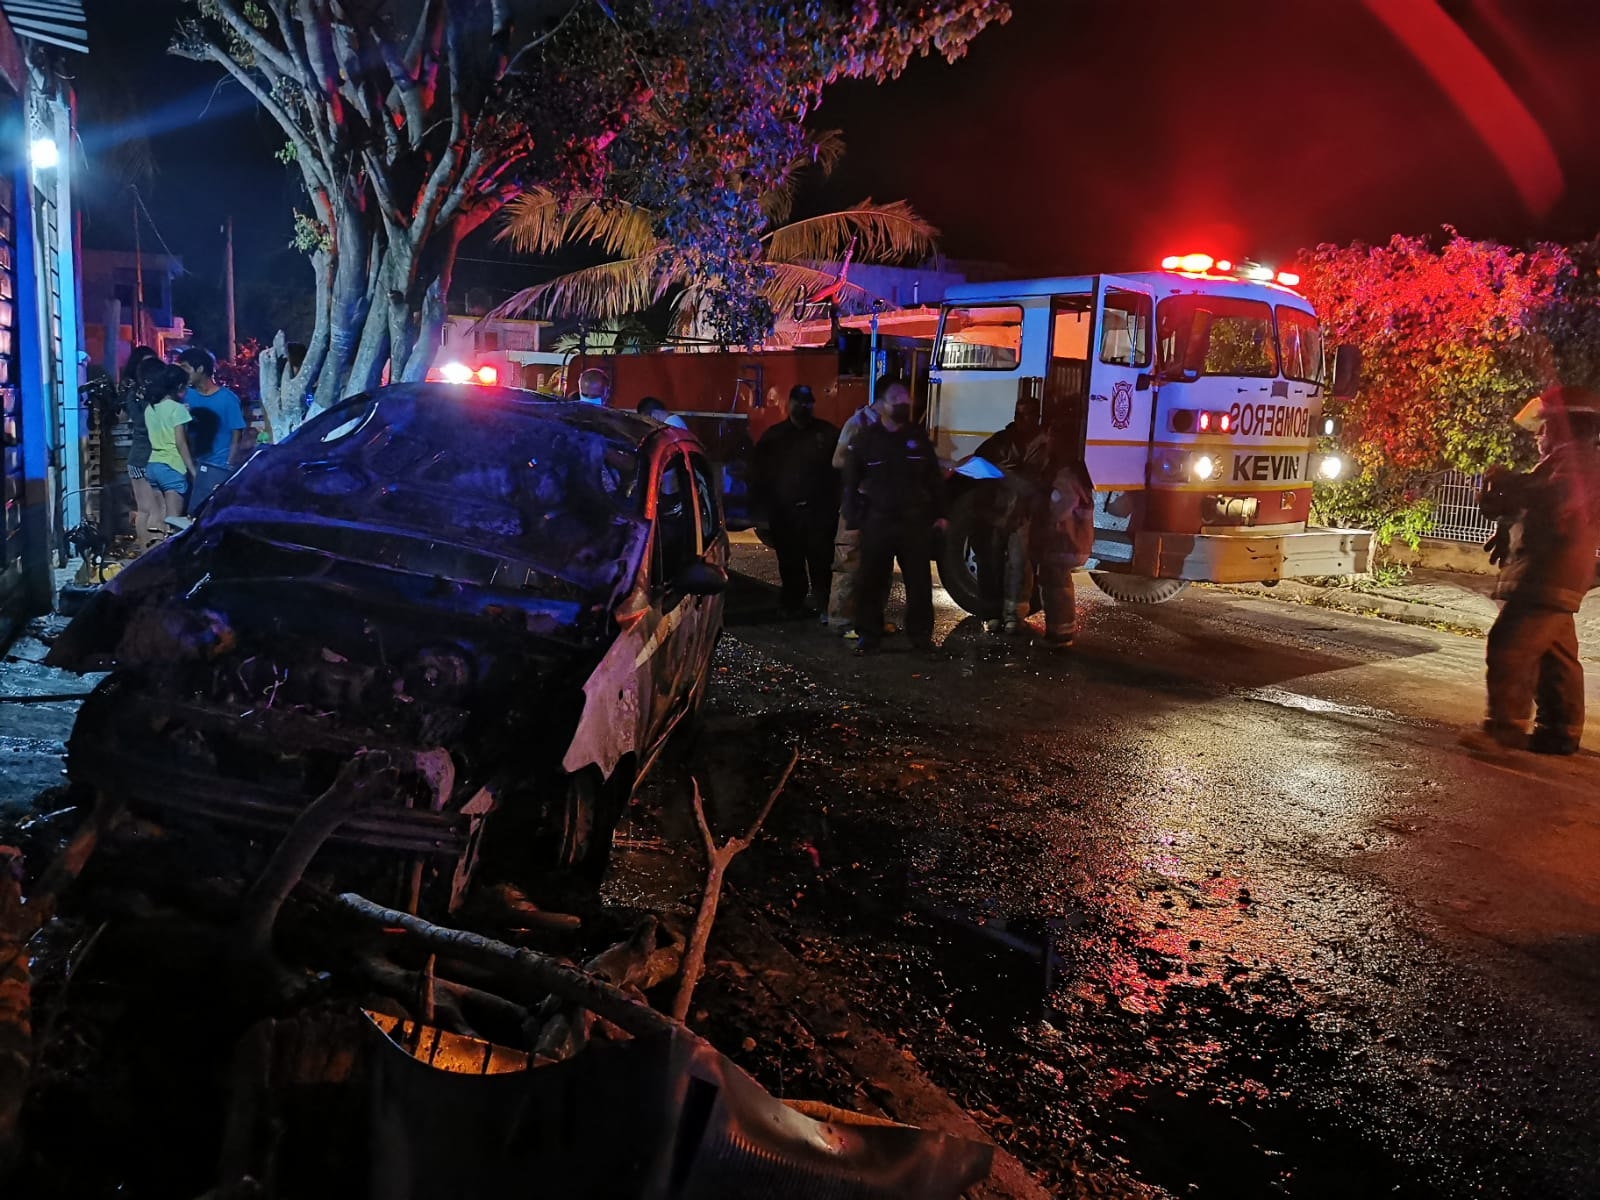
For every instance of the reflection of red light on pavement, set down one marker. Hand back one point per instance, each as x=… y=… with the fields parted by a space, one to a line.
x=1482 y=97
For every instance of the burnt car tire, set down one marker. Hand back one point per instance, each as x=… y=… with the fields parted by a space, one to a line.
x=533 y=836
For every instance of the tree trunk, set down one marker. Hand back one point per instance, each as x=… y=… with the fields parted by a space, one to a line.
x=392 y=319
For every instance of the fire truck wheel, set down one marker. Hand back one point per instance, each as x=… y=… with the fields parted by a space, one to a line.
x=1137 y=589
x=958 y=558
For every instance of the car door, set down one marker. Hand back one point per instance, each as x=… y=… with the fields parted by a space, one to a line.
x=672 y=618
x=706 y=626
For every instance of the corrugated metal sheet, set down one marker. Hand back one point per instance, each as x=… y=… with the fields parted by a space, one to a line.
x=56 y=22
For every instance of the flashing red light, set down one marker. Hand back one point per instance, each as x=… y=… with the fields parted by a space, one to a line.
x=1224 y=265
x=1170 y=262
x=488 y=375
x=1197 y=262
x=1224 y=422
x=1288 y=278
x=1205 y=422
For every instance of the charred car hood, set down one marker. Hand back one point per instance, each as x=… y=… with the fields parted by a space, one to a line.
x=244 y=580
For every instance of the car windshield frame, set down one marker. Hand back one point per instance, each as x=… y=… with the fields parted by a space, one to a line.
x=560 y=496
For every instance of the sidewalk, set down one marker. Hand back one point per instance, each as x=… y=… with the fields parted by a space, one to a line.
x=1457 y=601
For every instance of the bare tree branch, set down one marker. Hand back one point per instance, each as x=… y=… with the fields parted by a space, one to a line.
x=251 y=36
x=305 y=156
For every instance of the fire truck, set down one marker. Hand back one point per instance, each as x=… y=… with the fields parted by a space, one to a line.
x=1196 y=393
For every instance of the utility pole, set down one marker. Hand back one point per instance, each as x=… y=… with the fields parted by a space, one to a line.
x=227 y=286
x=138 y=280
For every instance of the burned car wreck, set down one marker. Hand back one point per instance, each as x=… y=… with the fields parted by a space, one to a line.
x=502 y=604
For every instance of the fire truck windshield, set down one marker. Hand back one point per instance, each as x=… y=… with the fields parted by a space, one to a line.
x=1300 y=343
x=1242 y=341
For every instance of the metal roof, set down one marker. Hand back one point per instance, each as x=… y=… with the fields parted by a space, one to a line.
x=1165 y=283
x=58 y=22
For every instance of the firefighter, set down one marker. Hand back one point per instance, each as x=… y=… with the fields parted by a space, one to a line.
x=894 y=494
x=800 y=489
x=1062 y=533
x=1547 y=563
x=1021 y=450
x=841 y=614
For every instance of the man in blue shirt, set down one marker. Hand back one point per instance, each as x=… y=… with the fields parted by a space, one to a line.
x=218 y=434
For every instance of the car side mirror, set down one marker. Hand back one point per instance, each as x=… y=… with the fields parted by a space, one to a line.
x=1346 y=371
x=700 y=578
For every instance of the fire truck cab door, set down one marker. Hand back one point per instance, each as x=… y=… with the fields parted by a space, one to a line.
x=1121 y=395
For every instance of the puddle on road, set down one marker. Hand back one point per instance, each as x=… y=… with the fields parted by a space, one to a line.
x=1315 y=704
x=1201 y=1086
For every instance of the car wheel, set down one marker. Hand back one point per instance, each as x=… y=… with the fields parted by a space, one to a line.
x=589 y=813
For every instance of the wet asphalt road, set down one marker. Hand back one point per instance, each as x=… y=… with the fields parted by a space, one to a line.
x=1213 y=901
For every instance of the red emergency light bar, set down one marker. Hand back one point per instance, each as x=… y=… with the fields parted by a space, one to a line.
x=457 y=372
x=1203 y=264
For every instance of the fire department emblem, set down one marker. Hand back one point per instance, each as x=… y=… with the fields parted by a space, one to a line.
x=1121 y=404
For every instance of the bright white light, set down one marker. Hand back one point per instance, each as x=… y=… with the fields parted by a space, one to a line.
x=1205 y=467
x=1256 y=271
x=44 y=153
x=1331 y=467
x=454 y=372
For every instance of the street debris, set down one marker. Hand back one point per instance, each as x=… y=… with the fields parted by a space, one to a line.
x=375 y=1051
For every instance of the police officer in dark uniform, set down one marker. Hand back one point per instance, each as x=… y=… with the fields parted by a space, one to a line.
x=1547 y=563
x=796 y=479
x=1005 y=507
x=894 y=494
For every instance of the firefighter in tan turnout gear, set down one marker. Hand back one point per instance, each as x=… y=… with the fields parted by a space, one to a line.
x=1546 y=547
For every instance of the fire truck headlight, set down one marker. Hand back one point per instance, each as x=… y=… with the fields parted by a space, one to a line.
x=1331 y=467
x=1204 y=467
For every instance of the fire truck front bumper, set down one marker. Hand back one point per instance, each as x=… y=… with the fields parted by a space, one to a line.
x=1252 y=555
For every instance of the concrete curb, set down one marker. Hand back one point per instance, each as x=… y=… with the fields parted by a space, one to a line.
x=1368 y=605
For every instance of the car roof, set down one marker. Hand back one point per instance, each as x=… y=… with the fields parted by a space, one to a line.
x=615 y=424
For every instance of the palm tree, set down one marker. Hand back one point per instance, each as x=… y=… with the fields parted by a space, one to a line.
x=643 y=271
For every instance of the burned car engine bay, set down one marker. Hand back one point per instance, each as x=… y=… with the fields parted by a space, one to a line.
x=416 y=579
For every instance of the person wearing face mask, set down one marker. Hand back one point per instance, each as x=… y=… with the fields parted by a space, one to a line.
x=894 y=494
x=794 y=480
x=594 y=385
x=1546 y=547
x=841 y=616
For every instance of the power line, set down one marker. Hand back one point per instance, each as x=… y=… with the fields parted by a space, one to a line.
x=155 y=229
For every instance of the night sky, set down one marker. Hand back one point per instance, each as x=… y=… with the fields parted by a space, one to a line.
x=1081 y=136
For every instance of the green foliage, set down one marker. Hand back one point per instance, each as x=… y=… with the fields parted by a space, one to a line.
x=1385 y=575
x=310 y=234
x=1391 y=503
x=1451 y=345
x=1570 y=322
